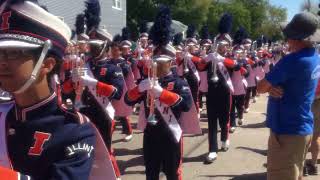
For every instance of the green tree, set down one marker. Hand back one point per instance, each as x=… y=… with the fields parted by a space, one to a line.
x=191 y=12
x=241 y=15
x=271 y=25
x=256 y=16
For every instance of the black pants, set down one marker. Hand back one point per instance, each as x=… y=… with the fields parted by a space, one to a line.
x=98 y=117
x=161 y=153
x=194 y=87
x=251 y=93
x=103 y=124
x=237 y=104
x=126 y=126
x=201 y=94
x=218 y=110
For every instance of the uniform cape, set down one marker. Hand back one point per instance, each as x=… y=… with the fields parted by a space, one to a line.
x=203 y=81
x=188 y=121
x=259 y=72
x=121 y=108
x=251 y=78
x=191 y=67
x=266 y=67
x=239 y=83
x=101 y=168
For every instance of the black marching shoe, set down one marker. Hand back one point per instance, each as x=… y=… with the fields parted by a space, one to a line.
x=305 y=171
x=312 y=169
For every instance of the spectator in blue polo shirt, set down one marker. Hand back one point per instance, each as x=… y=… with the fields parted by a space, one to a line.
x=291 y=85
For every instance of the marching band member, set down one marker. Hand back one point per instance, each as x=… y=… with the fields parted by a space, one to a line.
x=239 y=82
x=169 y=96
x=218 y=100
x=40 y=138
x=122 y=111
x=259 y=71
x=206 y=44
x=103 y=82
x=73 y=51
x=142 y=52
x=190 y=72
x=126 y=52
x=267 y=58
x=144 y=35
x=251 y=79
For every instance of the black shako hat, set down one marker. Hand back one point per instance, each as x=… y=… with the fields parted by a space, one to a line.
x=25 y=25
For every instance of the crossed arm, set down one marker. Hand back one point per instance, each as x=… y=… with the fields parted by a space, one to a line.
x=265 y=86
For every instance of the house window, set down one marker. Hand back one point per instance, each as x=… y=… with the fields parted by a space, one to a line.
x=117 y=4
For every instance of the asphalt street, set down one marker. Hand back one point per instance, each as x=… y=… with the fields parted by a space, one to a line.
x=245 y=159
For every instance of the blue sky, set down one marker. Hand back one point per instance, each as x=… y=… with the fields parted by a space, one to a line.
x=292 y=6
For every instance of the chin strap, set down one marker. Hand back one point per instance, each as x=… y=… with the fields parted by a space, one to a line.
x=35 y=72
x=105 y=45
x=4 y=5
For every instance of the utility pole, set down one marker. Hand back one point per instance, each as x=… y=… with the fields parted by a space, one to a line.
x=319 y=8
x=309 y=6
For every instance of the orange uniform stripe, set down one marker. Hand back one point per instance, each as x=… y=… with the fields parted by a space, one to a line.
x=243 y=71
x=67 y=87
x=251 y=62
x=134 y=94
x=195 y=59
x=104 y=89
x=169 y=98
x=202 y=65
x=229 y=63
x=66 y=65
x=8 y=174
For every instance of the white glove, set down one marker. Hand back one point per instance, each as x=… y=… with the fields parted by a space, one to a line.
x=216 y=57
x=157 y=89
x=145 y=85
x=75 y=75
x=88 y=81
x=187 y=56
x=212 y=56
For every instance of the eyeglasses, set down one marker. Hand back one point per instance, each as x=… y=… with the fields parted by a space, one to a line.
x=13 y=54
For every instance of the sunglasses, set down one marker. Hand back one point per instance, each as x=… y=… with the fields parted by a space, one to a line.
x=14 y=54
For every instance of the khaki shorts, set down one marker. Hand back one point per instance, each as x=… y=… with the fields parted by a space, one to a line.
x=286 y=155
x=316 y=116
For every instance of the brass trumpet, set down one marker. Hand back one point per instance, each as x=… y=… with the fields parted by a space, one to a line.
x=152 y=76
x=253 y=48
x=214 y=78
x=77 y=64
x=185 y=61
x=140 y=50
